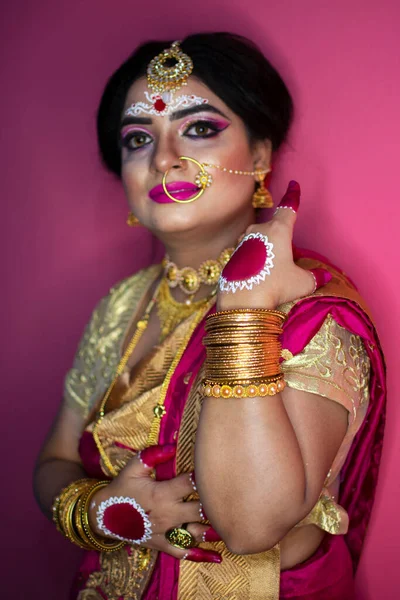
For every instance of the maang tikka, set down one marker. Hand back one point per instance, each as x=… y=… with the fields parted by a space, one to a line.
x=163 y=80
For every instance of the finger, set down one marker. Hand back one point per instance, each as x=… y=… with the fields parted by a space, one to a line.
x=289 y=205
x=201 y=555
x=150 y=457
x=159 y=542
x=203 y=533
x=181 y=486
x=189 y=512
x=320 y=278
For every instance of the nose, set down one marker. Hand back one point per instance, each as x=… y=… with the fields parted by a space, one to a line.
x=165 y=156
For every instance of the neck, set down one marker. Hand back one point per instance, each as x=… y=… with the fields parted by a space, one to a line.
x=193 y=248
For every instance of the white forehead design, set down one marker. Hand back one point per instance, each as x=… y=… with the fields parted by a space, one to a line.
x=163 y=105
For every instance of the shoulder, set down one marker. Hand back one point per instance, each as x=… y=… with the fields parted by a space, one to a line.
x=130 y=288
x=100 y=345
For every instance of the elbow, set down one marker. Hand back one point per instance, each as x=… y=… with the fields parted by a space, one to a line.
x=243 y=543
x=246 y=537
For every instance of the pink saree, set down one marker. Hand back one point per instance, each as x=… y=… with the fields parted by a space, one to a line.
x=329 y=573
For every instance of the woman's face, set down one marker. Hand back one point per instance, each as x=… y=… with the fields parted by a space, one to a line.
x=212 y=134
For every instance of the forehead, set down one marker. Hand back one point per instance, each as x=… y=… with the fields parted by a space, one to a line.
x=194 y=86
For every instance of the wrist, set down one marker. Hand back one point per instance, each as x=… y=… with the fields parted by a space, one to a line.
x=245 y=299
x=100 y=496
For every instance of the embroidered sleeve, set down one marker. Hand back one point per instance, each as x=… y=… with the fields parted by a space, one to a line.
x=335 y=365
x=81 y=382
x=100 y=346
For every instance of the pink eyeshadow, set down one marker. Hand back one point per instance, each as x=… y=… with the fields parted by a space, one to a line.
x=218 y=123
x=133 y=129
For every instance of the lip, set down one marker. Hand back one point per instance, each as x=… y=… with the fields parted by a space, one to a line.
x=182 y=190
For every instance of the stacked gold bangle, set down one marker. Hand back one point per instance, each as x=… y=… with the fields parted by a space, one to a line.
x=243 y=353
x=70 y=515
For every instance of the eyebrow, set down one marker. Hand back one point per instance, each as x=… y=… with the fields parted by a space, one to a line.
x=179 y=114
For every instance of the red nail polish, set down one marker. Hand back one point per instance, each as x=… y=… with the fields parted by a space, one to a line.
x=292 y=197
x=156 y=455
x=211 y=535
x=321 y=276
x=200 y=555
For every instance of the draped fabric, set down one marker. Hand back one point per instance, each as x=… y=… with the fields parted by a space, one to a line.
x=331 y=349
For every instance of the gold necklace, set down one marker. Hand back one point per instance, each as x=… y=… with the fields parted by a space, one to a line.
x=171 y=312
x=188 y=279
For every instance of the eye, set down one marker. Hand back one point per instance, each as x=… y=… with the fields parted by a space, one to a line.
x=204 y=129
x=200 y=129
x=135 y=140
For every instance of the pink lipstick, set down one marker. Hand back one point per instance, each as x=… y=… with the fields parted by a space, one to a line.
x=181 y=190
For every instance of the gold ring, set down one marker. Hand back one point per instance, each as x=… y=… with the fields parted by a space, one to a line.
x=203 y=180
x=180 y=538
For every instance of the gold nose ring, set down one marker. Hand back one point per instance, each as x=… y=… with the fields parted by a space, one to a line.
x=203 y=180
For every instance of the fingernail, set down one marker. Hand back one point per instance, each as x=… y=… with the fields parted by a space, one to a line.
x=293 y=184
x=291 y=199
x=211 y=535
x=155 y=455
x=200 y=555
x=321 y=276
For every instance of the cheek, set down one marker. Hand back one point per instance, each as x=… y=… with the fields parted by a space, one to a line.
x=132 y=179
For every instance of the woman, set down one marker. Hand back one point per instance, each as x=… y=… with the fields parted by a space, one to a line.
x=221 y=430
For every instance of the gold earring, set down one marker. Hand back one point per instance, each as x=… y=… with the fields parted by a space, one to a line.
x=262 y=197
x=132 y=221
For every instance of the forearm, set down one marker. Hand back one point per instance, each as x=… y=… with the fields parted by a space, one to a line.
x=50 y=477
x=249 y=471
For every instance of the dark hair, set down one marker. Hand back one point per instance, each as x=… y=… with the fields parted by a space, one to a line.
x=230 y=65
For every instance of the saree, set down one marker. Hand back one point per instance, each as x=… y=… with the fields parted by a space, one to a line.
x=171 y=377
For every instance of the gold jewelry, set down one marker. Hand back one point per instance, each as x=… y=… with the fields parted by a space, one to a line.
x=159 y=409
x=189 y=279
x=66 y=513
x=180 y=538
x=132 y=221
x=243 y=349
x=165 y=80
x=237 y=171
x=171 y=312
x=241 y=390
x=89 y=536
x=262 y=197
x=62 y=502
x=203 y=180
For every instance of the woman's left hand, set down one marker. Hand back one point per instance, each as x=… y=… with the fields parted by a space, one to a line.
x=286 y=281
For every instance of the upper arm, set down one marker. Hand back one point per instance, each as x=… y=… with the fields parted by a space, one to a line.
x=63 y=439
x=320 y=426
x=326 y=398
x=81 y=389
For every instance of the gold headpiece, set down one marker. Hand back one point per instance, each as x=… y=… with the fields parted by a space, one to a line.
x=163 y=78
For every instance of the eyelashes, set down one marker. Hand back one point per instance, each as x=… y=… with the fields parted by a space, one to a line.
x=134 y=139
x=215 y=127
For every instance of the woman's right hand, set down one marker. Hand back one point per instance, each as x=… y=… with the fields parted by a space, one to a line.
x=163 y=502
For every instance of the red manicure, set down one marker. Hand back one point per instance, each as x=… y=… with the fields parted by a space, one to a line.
x=292 y=197
x=156 y=455
x=211 y=535
x=200 y=555
x=321 y=276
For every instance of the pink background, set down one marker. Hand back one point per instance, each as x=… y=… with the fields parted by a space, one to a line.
x=66 y=241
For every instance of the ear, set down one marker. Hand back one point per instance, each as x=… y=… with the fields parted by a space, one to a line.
x=262 y=152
